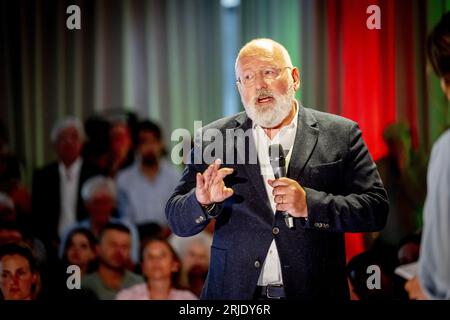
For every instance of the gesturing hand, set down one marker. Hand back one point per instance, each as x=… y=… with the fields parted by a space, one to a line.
x=210 y=186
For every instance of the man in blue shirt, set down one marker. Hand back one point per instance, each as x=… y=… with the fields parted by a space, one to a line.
x=433 y=279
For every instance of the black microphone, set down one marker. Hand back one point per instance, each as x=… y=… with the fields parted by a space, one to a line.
x=278 y=163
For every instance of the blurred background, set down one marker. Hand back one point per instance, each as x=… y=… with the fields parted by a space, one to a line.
x=173 y=61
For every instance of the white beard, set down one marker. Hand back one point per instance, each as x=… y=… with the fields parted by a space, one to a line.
x=273 y=114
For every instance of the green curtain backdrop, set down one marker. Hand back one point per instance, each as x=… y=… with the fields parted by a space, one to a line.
x=163 y=59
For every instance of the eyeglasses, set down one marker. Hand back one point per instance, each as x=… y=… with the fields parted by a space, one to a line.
x=268 y=73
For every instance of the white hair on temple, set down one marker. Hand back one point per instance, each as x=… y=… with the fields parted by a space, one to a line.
x=98 y=184
x=68 y=122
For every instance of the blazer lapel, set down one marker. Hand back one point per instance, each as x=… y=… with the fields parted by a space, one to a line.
x=304 y=144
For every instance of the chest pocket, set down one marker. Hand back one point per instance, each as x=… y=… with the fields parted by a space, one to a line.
x=327 y=177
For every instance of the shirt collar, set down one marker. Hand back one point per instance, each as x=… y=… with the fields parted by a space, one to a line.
x=74 y=167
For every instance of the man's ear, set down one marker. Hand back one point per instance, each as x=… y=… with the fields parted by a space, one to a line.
x=296 y=77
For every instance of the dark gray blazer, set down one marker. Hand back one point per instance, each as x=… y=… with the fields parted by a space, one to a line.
x=344 y=193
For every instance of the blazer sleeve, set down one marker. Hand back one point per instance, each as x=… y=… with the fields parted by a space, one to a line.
x=363 y=205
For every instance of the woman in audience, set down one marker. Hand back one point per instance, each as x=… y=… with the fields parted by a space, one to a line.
x=80 y=250
x=161 y=268
x=19 y=275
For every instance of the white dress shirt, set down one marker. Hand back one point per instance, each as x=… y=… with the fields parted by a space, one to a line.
x=68 y=178
x=271 y=269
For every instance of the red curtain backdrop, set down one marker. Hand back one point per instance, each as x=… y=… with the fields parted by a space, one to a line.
x=363 y=62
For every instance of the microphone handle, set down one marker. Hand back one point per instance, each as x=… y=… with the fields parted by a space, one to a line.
x=280 y=172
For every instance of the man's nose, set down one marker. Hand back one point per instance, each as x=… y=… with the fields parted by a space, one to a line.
x=260 y=81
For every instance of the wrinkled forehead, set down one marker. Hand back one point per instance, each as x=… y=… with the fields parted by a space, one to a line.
x=260 y=54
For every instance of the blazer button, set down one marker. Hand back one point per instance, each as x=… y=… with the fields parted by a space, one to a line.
x=276 y=230
x=200 y=219
x=257 y=264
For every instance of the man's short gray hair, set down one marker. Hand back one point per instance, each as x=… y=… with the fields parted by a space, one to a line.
x=68 y=122
x=98 y=184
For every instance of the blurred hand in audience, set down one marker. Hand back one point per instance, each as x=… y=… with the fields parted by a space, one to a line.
x=414 y=290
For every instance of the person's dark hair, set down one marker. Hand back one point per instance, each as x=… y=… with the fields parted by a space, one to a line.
x=21 y=249
x=114 y=226
x=151 y=126
x=149 y=230
x=85 y=232
x=438 y=47
x=175 y=275
x=92 y=243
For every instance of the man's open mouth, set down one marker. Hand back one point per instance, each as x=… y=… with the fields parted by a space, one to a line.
x=264 y=99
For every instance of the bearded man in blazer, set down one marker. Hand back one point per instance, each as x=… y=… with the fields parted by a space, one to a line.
x=332 y=187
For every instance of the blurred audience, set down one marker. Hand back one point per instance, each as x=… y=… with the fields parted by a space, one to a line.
x=57 y=187
x=14 y=230
x=19 y=274
x=403 y=174
x=112 y=275
x=161 y=269
x=121 y=153
x=99 y=196
x=195 y=253
x=11 y=180
x=145 y=187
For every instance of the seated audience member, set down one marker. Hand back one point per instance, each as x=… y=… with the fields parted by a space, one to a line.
x=80 y=250
x=161 y=268
x=19 y=275
x=112 y=275
x=120 y=147
x=56 y=198
x=196 y=278
x=194 y=253
x=10 y=232
x=99 y=196
x=13 y=230
x=145 y=187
